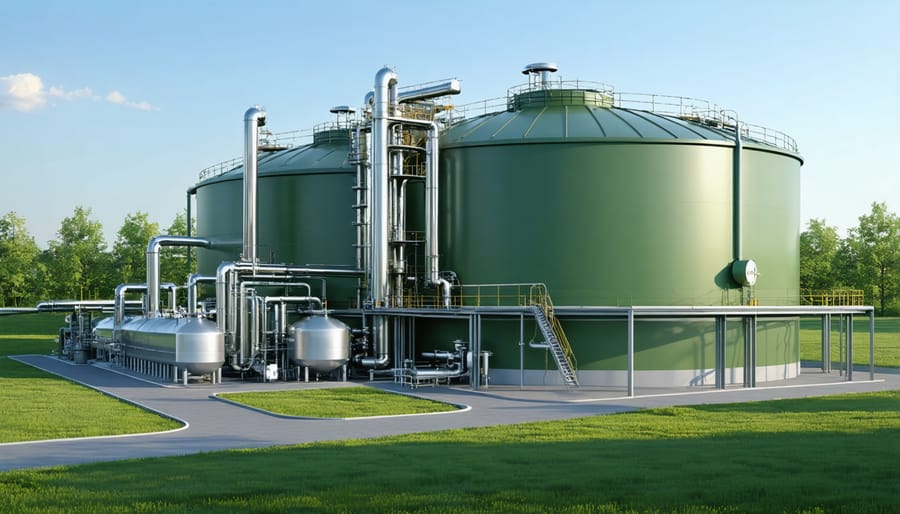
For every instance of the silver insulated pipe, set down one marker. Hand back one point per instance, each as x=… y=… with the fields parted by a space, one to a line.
x=385 y=88
x=435 y=90
x=254 y=118
x=153 y=265
x=379 y=280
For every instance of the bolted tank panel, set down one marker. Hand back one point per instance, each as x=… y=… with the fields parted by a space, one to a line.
x=305 y=214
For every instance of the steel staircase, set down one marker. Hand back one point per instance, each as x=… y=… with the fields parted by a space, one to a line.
x=556 y=340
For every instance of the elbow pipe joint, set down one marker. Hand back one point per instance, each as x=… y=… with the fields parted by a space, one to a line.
x=153 y=264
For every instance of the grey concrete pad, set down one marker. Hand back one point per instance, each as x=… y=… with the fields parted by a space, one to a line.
x=213 y=424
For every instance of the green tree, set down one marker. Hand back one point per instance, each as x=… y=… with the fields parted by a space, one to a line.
x=79 y=266
x=18 y=261
x=130 y=249
x=819 y=245
x=876 y=243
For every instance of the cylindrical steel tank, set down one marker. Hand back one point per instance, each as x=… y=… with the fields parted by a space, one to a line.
x=319 y=343
x=194 y=344
x=305 y=211
x=611 y=206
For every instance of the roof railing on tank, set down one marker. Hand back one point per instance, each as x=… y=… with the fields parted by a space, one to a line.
x=585 y=85
x=283 y=140
x=704 y=112
x=689 y=109
x=221 y=167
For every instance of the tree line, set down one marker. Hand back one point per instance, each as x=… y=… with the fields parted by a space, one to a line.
x=78 y=264
x=868 y=259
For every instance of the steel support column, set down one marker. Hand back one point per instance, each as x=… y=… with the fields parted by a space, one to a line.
x=849 y=347
x=872 y=345
x=522 y=351
x=630 y=370
x=475 y=349
x=750 y=351
x=826 y=343
x=720 y=352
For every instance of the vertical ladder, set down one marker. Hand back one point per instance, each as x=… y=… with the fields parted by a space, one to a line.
x=557 y=341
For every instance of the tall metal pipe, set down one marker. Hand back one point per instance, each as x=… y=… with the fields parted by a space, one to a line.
x=153 y=265
x=432 y=232
x=188 y=222
x=385 y=92
x=385 y=87
x=254 y=118
x=736 y=193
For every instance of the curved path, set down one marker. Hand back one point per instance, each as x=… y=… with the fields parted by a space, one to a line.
x=217 y=425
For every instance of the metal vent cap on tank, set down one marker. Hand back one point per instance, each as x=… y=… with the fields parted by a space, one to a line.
x=539 y=73
x=541 y=91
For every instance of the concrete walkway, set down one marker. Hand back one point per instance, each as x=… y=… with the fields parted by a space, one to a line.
x=213 y=424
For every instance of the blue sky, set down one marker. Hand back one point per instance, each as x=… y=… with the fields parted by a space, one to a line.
x=117 y=105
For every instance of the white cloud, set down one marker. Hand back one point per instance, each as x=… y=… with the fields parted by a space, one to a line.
x=22 y=92
x=84 y=92
x=25 y=92
x=119 y=99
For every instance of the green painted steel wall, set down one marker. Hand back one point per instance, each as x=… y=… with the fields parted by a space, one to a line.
x=619 y=224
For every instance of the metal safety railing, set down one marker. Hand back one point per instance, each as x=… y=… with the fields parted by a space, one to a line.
x=280 y=140
x=537 y=297
x=683 y=107
x=556 y=337
x=834 y=297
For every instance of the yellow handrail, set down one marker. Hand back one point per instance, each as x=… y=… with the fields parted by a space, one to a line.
x=834 y=297
x=541 y=298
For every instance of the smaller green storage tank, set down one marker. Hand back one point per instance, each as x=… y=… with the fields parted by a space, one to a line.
x=305 y=210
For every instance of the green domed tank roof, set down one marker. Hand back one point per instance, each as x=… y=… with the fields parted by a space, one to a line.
x=585 y=115
x=329 y=153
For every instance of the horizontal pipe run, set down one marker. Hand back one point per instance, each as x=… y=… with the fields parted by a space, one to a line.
x=69 y=305
x=450 y=87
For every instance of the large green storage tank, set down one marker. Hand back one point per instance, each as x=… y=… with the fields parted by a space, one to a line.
x=305 y=210
x=611 y=206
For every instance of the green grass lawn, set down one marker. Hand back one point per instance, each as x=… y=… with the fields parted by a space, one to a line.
x=341 y=402
x=37 y=405
x=830 y=454
x=887 y=341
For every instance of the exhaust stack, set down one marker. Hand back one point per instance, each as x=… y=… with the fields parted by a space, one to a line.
x=254 y=118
